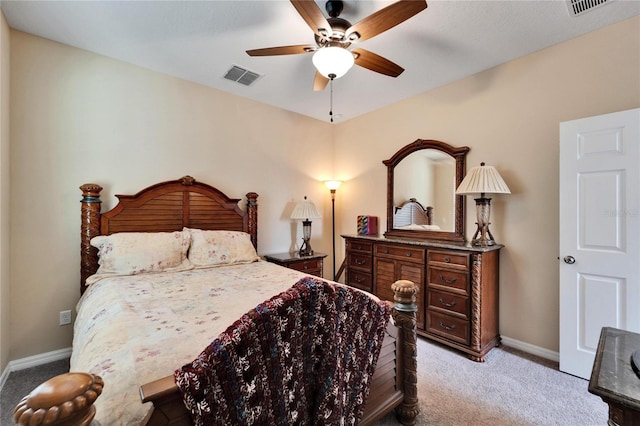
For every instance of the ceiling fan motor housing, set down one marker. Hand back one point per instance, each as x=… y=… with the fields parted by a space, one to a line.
x=339 y=27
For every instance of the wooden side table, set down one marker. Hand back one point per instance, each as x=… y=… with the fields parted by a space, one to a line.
x=312 y=264
x=612 y=377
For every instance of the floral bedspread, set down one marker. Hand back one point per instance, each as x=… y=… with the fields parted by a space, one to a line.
x=135 y=329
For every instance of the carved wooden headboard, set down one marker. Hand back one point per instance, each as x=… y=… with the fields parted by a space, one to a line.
x=163 y=207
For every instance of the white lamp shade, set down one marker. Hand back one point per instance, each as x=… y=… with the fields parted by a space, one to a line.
x=305 y=209
x=333 y=184
x=333 y=60
x=483 y=180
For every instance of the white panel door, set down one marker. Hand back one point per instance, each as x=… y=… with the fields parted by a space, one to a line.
x=599 y=233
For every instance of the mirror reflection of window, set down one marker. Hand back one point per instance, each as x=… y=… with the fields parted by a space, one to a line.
x=429 y=177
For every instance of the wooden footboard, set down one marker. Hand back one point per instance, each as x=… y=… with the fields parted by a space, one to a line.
x=394 y=384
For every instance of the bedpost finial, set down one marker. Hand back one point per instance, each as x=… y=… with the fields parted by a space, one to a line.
x=252 y=198
x=404 y=293
x=91 y=190
x=64 y=399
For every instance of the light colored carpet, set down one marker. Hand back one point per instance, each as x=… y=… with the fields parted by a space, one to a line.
x=509 y=388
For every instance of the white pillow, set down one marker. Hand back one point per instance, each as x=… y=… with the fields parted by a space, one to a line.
x=218 y=248
x=130 y=253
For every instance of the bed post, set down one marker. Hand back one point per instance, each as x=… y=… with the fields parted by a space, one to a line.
x=89 y=228
x=252 y=211
x=404 y=315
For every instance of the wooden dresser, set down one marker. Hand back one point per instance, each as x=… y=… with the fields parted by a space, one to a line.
x=458 y=296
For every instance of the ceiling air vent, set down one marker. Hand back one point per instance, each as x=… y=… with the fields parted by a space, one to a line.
x=578 y=7
x=241 y=75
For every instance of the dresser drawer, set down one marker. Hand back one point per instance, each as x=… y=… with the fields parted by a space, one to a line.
x=313 y=266
x=360 y=280
x=360 y=261
x=363 y=246
x=448 y=326
x=450 y=303
x=449 y=259
x=407 y=254
x=445 y=279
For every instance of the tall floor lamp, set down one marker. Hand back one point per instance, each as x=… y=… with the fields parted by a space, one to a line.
x=333 y=185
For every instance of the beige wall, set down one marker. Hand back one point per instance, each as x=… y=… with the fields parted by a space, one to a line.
x=78 y=117
x=509 y=116
x=4 y=194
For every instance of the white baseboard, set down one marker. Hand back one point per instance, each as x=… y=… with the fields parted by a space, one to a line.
x=33 y=361
x=531 y=349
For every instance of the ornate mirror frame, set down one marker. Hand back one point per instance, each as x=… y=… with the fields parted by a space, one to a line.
x=459 y=154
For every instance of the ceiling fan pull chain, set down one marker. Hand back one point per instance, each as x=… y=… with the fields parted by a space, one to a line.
x=331 y=76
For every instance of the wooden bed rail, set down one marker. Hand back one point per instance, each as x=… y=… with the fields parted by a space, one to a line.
x=169 y=408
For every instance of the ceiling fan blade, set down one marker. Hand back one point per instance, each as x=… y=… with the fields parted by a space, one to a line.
x=319 y=82
x=313 y=16
x=282 y=50
x=377 y=63
x=386 y=18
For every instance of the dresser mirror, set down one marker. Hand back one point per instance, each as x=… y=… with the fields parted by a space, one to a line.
x=421 y=181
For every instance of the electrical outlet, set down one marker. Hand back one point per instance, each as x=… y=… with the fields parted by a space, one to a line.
x=65 y=317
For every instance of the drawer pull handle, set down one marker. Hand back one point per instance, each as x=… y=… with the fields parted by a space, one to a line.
x=386 y=251
x=305 y=267
x=448 y=305
x=447 y=327
x=359 y=280
x=451 y=281
x=408 y=254
x=359 y=247
x=359 y=262
x=447 y=259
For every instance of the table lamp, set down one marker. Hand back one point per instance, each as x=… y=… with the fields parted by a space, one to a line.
x=483 y=180
x=305 y=210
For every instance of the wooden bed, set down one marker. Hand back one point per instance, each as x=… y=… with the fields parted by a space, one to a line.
x=172 y=205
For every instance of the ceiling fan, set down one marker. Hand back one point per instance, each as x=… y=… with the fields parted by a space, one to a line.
x=334 y=35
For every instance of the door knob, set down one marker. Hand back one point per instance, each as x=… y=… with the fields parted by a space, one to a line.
x=569 y=259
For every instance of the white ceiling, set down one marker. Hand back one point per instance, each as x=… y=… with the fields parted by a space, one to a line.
x=200 y=40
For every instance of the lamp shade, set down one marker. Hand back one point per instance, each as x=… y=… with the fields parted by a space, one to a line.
x=333 y=184
x=483 y=179
x=333 y=60
x=305 y=209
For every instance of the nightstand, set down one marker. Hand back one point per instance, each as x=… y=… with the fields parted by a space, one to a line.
x=308 y=264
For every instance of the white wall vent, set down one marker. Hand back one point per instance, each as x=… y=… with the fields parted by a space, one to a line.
x=241 y=75
x=578 y=7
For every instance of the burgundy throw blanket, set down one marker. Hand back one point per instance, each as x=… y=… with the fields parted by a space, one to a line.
x=304 y=357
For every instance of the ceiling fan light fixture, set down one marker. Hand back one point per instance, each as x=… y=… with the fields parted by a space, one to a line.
x=333 y=60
